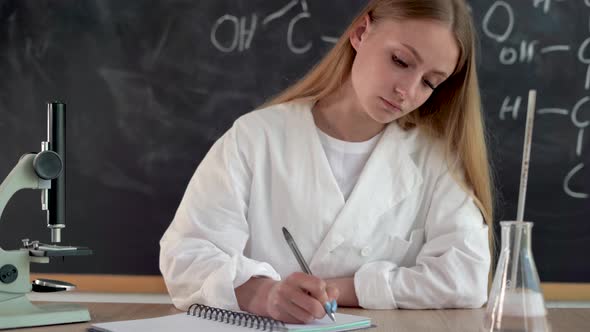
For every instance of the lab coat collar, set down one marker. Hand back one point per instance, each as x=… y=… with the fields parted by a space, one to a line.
x=389 y=176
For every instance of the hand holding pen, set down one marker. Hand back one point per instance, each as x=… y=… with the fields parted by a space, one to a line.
x=321 y=295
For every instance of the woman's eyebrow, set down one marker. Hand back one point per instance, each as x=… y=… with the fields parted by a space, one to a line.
x=419 y=58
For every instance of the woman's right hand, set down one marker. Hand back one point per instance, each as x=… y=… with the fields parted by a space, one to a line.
x=299 y=298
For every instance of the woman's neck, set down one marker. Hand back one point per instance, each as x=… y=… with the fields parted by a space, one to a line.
x=341 y=116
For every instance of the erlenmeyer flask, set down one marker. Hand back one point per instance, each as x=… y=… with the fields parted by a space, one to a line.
x=516 y=301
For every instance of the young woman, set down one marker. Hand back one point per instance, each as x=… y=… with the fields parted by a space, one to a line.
x=375 y=162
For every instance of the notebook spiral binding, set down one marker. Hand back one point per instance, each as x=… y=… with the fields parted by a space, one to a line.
x=235 y=318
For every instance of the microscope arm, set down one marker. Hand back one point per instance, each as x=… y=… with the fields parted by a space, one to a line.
x=33 y=171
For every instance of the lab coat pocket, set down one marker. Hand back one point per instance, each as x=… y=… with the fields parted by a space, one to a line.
x=413 y=247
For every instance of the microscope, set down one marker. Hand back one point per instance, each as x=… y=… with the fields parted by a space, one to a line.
x=45 y=171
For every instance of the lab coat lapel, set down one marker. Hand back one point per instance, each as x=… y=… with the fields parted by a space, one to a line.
x=317 y=195
x=389 y=176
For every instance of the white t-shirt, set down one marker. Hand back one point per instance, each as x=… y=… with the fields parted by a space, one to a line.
x=347 y=159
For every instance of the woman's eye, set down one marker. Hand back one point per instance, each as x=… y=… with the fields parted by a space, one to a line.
x=429 y=84
x=399 y=62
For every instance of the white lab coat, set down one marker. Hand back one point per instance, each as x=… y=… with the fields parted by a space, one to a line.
x=410 y=236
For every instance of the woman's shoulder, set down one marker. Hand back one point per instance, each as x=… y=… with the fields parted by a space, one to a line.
x=275 y=117
x=270 y=124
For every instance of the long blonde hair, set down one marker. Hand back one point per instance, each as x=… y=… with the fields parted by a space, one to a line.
x=453 y=111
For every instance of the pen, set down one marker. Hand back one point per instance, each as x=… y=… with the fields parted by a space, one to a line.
x=329 y=307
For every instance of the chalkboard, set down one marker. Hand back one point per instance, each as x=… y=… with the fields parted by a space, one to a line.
x=150 y=85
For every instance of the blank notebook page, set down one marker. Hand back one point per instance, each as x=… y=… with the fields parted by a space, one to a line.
x=184 y=322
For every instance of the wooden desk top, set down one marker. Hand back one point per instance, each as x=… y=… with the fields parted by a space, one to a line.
x=562 y=319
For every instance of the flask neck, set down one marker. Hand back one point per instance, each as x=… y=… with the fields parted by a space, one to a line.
x=516 y=234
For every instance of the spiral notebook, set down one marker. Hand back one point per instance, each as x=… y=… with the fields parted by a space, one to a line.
x=204 y=318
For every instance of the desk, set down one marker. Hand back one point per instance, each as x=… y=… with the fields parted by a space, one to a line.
x=561 y=319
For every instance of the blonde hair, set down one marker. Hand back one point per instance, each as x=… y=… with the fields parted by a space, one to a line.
x=453 y=111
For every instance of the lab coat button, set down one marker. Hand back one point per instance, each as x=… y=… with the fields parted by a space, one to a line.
x=366 y=251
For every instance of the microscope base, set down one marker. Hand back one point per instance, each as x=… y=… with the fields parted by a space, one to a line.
x=20 y=312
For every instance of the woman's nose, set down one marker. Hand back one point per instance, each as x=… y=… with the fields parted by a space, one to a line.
x=406 y=88
x=400 y=93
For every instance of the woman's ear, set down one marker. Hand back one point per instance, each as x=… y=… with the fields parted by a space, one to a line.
x=359 y=32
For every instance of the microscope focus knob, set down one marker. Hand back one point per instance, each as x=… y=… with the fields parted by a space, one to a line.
x=48 y=165
x=8 y=273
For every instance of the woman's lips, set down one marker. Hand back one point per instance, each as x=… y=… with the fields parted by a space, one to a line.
x=391 y=106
